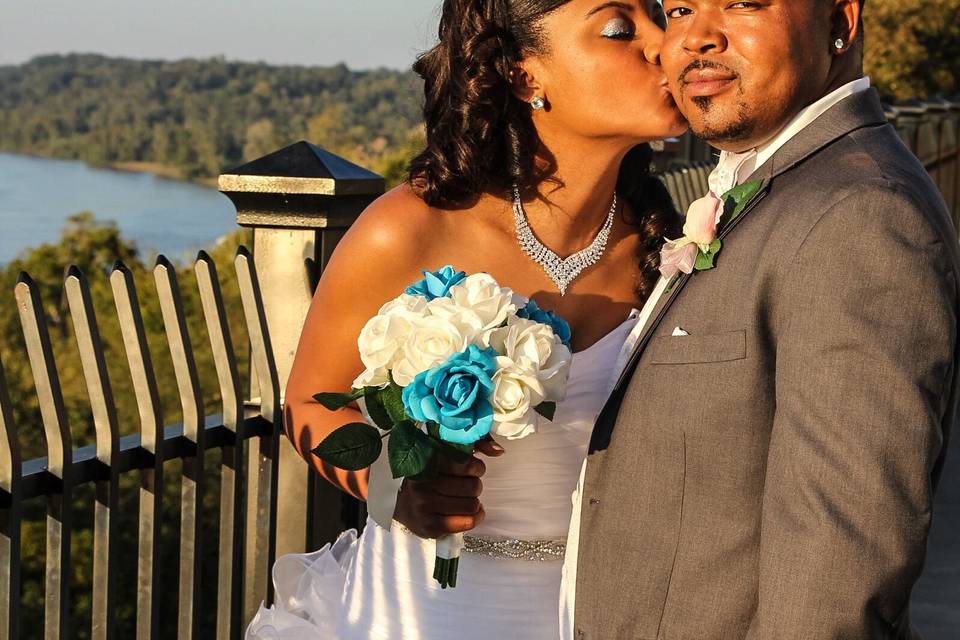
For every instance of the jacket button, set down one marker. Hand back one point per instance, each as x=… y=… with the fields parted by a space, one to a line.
x=594 y=501
x=580 y=634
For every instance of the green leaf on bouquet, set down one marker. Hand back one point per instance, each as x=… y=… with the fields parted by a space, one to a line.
x=392 y=397
x=431 y=471
x=409 y=450
x=352 y=447
x=547 y=410
x=736 y=200
x=456 y=452
x=373 y=402
x=337 y=401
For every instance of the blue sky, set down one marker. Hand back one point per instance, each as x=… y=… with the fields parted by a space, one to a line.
x=362 y=33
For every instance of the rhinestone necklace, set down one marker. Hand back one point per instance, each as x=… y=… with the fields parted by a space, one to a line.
x=562 y=271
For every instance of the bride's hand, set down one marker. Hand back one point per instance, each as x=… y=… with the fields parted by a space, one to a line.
x=449 y=504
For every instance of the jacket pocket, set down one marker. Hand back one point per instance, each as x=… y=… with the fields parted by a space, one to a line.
x=697 y=349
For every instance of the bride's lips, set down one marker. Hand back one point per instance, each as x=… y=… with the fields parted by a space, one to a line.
x=706 y=82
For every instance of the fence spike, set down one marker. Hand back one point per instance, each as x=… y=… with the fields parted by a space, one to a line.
x=151 y=438
x=107 y=489
x=191 y=488
x=59 y=456
x=232 y=494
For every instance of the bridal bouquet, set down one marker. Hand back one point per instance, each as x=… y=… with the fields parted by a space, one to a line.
x=448 y=362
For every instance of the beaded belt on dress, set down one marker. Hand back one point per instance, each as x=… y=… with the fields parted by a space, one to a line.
x=509 y=548
x=532 y=550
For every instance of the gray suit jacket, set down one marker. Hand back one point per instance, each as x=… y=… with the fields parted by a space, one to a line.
x=771 y=475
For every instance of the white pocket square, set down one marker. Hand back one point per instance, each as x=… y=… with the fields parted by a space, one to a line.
x=679 y=332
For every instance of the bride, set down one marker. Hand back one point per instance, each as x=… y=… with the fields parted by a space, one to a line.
x=536 y=113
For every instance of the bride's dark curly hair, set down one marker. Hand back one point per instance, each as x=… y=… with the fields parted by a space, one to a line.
x=481 y=137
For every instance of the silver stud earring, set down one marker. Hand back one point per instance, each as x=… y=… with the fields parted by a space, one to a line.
x=838 y=44
x=538 y=103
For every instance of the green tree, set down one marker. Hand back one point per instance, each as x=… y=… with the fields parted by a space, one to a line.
x=196 y=118
x=913 y=48
x=260 y=139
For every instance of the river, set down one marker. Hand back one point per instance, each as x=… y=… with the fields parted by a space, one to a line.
x=37 y=195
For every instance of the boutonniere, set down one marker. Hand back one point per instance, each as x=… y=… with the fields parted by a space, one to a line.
x=706 y=219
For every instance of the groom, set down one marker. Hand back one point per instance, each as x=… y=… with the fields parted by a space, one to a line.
x=766 y=466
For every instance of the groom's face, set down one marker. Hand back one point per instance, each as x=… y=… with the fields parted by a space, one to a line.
x=740 y=70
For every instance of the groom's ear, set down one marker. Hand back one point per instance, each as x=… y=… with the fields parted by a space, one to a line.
x=847 y=22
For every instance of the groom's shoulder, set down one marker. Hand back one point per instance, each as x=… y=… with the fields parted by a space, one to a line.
x=868 y=179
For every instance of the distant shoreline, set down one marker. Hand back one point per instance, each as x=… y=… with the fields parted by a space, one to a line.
x=156 y=169
x=160 y=170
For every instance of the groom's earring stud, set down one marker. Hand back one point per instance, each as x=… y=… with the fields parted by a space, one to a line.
x=538 y=103
x=838 y=44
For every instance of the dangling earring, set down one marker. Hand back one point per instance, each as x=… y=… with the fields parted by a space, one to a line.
x=838 y=43
x=538 y=103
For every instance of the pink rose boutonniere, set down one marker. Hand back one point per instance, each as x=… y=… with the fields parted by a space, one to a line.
x=706 y=218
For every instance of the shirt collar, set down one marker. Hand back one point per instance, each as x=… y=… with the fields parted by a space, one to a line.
x=734 y=168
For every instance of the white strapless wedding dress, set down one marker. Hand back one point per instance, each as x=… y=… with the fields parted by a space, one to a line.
x=380 y=586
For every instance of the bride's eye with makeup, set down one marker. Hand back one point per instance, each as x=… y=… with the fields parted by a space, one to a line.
x=619 y=29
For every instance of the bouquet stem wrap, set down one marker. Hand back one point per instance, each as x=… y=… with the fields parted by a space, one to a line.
x=447 y=562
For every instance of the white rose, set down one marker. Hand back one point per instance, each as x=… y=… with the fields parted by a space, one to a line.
x=381 y=339
x=481 y=294
x=536 y=342
x=430 y=341
x=516 y=392
x=523 y=338
x=405 y=305
x=467 y=320
x=372 y=378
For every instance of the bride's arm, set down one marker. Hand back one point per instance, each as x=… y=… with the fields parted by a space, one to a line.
x=383 y=252
x=372 y=264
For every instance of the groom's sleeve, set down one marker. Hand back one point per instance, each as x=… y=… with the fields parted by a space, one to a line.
x=865 y=344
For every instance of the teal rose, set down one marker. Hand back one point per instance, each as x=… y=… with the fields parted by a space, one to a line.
x=455 y=395
x=560 y=327
x=436 y=284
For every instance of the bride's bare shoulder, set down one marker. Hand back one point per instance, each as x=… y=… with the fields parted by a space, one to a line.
x=387 y=244
x=397 y=220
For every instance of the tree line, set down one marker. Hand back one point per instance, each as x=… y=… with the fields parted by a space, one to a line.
x=196 y=118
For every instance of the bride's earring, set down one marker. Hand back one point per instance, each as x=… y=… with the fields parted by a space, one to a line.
x=538 y=103
x=838 y=44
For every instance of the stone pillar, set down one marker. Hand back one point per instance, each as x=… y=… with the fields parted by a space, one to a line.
x=299 y=201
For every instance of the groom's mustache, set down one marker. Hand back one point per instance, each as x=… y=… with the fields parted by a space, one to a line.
x=706 y=70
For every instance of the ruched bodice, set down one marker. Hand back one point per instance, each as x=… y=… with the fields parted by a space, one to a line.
x=526 y=491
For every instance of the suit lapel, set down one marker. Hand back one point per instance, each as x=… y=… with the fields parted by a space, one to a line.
x=603 y=429
x=667 y=300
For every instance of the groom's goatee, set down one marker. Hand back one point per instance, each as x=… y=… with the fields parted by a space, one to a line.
x=739 y=129
x=735 y=128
